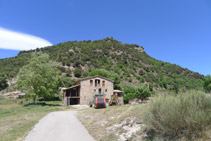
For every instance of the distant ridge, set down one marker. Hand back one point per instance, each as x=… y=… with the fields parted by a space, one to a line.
x=129 y=61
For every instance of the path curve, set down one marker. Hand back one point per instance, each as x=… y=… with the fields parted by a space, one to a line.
x=59 y=126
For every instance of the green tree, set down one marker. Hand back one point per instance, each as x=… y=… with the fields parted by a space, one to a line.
x=3 y=82
x=67 y=82
x=142 y=92
x=129 y=93
x=207 y=83
x=129 y=89
x=39 y=78
x=129 y=96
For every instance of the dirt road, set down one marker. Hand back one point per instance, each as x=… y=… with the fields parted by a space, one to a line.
x=59 y=126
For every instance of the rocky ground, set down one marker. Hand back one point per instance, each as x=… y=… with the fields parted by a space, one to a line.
x=117 y=123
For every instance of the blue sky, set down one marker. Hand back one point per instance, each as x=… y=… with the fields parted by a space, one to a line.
x=176 y=31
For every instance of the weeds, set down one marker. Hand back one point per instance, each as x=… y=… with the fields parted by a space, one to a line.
x=185 y=115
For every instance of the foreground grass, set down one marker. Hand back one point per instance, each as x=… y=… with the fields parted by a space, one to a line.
x=97 y=120
x=16 y=119
x=186 y=116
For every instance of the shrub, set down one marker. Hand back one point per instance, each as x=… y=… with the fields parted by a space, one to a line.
x=62 y=69
x=207 y=83
x=129 y=93
x=69 y=72
x=3 y=82
x=129 y=96
x=185 y=115
x=141 y=72
x=77 y=72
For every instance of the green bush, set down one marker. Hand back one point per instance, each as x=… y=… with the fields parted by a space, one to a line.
x=129 y=96
x=186 y=115
x=129 y=93
x=77 y=72
x=207 y=83
x=3 y=82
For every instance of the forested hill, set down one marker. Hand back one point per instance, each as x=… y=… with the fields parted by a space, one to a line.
x=77 y=58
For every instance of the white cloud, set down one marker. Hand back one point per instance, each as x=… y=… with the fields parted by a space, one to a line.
x=20 y=41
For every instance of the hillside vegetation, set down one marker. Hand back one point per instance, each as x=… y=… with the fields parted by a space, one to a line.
x=77 y=58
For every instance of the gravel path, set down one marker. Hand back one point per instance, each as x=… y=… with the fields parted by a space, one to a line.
x=59 y=126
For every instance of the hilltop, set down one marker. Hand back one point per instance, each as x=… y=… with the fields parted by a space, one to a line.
x=130 y=61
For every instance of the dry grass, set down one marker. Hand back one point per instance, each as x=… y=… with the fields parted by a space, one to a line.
x=185 y=116
x=16 y=120
x=97 y=120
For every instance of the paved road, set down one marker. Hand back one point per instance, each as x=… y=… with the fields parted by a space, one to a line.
x=59 y=126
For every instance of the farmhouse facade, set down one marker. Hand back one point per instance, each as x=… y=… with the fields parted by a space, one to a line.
x=84 y=90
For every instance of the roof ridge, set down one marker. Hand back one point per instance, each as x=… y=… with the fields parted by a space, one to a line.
x=96 y=76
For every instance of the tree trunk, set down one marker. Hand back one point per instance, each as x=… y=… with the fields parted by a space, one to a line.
x=34 y=99
x=142 y=100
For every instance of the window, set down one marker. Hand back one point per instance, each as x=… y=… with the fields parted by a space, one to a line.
x=99 y=91
x=105 y=90
x=97 y=82
x=91 y=83
x=103 y=83
x=94 y=90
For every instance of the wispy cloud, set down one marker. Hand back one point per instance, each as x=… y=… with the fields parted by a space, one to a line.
x=20 y=41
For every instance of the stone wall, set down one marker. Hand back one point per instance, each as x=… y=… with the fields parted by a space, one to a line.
x=87 y=91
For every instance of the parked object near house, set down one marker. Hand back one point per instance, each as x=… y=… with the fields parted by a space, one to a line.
x=138 y=100
x=98 y=101
x=84 y=90
x=120 y=95
x=116 y=98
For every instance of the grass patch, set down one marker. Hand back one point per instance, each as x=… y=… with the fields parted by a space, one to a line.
x=97 y=120
x=187 y=116
x=16 y=119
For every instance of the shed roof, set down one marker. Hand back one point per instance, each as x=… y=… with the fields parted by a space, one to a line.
x=64 y=89
x=118 y=91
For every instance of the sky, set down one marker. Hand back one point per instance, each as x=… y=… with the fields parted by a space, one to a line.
x=175 y=31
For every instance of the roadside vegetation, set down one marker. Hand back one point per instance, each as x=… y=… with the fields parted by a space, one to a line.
x=207 y=84
x=167 y=117
x=18 y=116
x=184 y=116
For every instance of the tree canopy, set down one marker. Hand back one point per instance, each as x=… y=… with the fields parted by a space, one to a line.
x=40 y=77
x=142 y=92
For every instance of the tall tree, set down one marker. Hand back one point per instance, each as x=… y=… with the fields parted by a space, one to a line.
x=39 y=78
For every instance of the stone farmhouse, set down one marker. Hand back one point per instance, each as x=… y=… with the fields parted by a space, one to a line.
x=84 y=90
